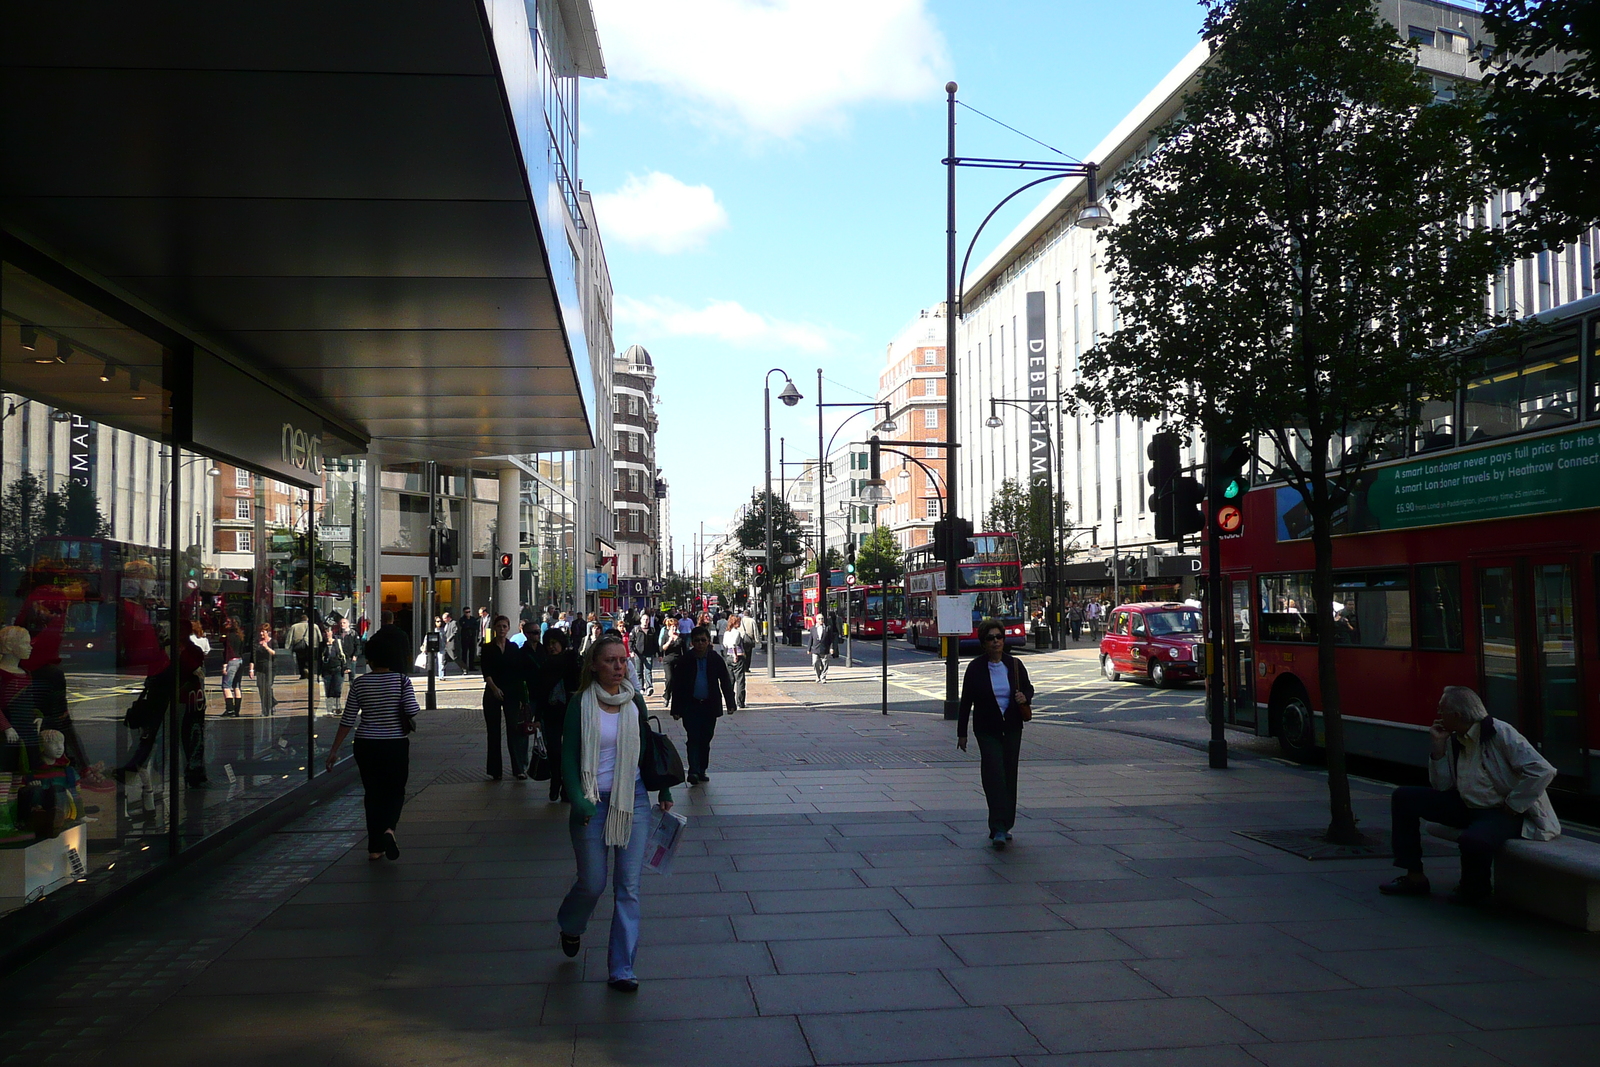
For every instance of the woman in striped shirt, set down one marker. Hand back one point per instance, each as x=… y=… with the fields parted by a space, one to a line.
x=382 y=710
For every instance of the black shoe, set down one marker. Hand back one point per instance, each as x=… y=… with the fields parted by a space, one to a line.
x=570 y=945
x=624 y=985
x=1406 y=886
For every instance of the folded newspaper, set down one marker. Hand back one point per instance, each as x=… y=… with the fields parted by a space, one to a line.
x=665 y=833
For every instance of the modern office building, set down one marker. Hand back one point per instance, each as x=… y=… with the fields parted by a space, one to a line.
x=1103 y=461
x=287 y=292
x=912 y=382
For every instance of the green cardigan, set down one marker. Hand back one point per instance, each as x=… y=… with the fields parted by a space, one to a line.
x=572 y=744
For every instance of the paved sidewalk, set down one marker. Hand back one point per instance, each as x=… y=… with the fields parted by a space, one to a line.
x=835 y=903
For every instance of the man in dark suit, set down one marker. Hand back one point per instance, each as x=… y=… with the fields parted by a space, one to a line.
x=701 y=687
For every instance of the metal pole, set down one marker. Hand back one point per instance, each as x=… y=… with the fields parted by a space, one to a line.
x=766 y=508
x=1216 y=691
x=822 y=513
x=952 y=566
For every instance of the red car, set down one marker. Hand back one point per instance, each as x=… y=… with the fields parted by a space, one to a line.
x=1160 y=642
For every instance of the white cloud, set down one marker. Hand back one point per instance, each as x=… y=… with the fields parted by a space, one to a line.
x=722 y=320
x=777 y=66
x=660 y=213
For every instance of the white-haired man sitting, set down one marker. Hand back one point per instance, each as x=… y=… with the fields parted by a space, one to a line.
x=1487 y=780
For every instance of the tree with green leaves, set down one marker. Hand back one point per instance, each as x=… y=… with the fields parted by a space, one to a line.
x=1298 y=263
x=878 y=558
x=786 y=529
x=1026 y=512
x=1541 y=130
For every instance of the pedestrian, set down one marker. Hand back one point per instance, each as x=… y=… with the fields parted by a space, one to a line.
x=505 y=696
x=820 y=642
x=261 y=668
x=235 y=649
x=701 y=688
x=737 y=648
x=382 y=710
x=557 y=677
x=607 y=740
x=1486 y=780
x=997 y=696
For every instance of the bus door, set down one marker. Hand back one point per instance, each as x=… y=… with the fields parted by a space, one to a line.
x=1240 y=653
x=1528 y=653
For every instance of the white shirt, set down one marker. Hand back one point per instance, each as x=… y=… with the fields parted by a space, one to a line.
x=606 y=773
x=1000 y=682
x=1472 y=781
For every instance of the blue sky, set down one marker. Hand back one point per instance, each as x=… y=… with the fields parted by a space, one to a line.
x=769 y=190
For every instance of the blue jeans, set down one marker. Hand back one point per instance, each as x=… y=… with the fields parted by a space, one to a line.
x=588 y=845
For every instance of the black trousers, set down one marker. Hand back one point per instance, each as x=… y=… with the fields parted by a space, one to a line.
x=516 y=740
x=384 y=765
x=1483 y=830
x=553 y=723
x=701 y=726
x=998 y=755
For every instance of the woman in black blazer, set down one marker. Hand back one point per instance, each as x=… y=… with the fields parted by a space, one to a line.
x=998 y=696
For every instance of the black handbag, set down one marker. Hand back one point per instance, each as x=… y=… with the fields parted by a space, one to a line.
x=660 y=766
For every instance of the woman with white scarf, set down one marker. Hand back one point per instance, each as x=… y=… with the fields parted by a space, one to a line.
x=602 y=744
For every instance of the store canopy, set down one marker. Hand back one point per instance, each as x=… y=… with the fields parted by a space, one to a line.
x=332 y=193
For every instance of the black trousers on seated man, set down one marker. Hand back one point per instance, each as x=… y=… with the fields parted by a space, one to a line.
x=1483 y=830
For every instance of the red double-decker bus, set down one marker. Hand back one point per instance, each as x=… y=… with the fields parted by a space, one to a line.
x=861 y=607
x=1471 y=557
x=993 y=574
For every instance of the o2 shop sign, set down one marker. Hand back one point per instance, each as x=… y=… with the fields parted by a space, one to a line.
x=301 y=450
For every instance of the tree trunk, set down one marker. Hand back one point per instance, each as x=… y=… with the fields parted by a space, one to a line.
x=1342 y=825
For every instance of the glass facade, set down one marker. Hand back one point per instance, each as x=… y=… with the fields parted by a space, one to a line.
x=177 y=628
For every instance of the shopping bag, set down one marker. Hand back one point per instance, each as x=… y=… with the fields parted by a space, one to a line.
x=665 y=833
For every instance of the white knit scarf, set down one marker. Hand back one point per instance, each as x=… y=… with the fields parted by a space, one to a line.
x=619 y=821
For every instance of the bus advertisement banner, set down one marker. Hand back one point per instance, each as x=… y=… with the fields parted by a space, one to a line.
x=1549 y=474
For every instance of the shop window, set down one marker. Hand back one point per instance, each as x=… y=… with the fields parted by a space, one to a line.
x=1288 y=613
x=1439 y=607
x=1372 y=609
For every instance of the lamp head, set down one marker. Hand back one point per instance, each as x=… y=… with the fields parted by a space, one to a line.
x=790 y=395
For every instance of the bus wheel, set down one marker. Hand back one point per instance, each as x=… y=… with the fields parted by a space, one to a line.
x=1108 y=670
x=1297 y=732
x=1158 y=674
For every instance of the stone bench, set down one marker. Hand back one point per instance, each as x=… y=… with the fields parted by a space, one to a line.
x=1557 y=879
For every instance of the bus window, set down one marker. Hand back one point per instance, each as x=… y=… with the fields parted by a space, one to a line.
x=1372 y=609
x=1287 y=612
x=1439 y=607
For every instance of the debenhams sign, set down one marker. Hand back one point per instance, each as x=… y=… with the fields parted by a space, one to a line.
x=240 y=419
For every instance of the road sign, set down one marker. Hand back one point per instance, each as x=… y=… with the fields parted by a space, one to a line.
x=1229 y=519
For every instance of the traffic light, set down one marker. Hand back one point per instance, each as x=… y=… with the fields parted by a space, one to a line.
x=449 y=550
x=1163 y=477
x=1230 y=483
x=505 y=571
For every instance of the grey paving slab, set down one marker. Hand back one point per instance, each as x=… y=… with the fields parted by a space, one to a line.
x=823 y=994
x=862 y=954
x=793 y=925
x=1215 y=976
x=757 y=1042
x=1129 y=1025
x=1130 y=913
x=1042 y=946
x=1050 y=983
x=1422 y=1050
x=1543 y=1047
x=916 y=1036
x=1340 y=1013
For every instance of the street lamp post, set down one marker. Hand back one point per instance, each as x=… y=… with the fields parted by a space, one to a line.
x=1052 y=569
x=790 y=397
x=1091 y=216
